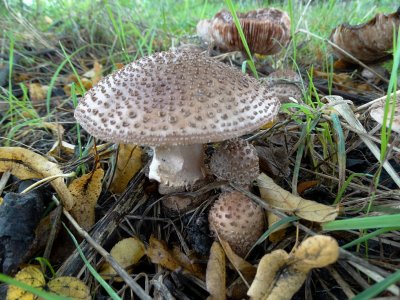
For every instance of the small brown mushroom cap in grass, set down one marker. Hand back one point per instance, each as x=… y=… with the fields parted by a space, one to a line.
x=175 y=101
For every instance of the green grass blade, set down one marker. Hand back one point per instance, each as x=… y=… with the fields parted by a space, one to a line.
x=386 y=221
x=367 y=236
x=379 y=287
x=242 y=37
x=92 y=270
x=31 y=289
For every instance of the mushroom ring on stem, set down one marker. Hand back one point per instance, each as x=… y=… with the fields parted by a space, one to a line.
x=175 y=101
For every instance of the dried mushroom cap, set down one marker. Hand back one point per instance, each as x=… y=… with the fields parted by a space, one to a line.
x=237 y=220
x=285 y=84
x=175 y=98
x=367 y=42
x=267 y=30
x=378 y=110
x=237 y=161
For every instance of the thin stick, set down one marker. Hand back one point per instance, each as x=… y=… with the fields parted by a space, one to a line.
x=136 y=288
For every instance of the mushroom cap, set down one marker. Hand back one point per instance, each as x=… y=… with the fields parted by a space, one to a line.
x=237 y=161
x=368 y=42
x=175 y=98
x=285 y=84
x=267 y=30
x=237 y=220
x=377 y=113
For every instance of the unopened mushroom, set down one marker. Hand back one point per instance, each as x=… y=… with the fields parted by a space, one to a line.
x=237 y=220
x=175 y=101
x=286 y=84
x=236 y=161
x=266 y=30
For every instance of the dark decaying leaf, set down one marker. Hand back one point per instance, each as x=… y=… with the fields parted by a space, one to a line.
x=19 y=216
x=367 y=42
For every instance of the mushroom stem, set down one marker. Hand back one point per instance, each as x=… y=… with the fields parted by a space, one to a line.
x=177 y=165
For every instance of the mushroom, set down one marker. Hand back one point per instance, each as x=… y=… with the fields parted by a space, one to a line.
x=266 y=30
x=237 y=220
x=237 y=161
x=286 y=84
x=175 y=101
x=377 y=113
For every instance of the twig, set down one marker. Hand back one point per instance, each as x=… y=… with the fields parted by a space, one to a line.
x=136 y=288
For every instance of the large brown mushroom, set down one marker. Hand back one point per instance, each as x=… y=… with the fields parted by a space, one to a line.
x=175 y=101
x=266 y=30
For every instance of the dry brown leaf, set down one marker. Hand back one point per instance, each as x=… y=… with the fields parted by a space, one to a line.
x=158 y=253
x=126 y=252
x=95 y=74
x=279 y=198
x=129 y=162
x=37 y=93
x=367 y=42
x=187 y=263
x=238 y=289
x=86 y=191
x=26 y=164
x=216 y=273
x=62 y=150
x=280 y=275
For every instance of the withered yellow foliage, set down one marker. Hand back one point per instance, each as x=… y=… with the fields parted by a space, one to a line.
x=26 y=164
x=86 y=191
x=29 y=275
x=129 y=162
x=279 y=198
x=64 y=286
x=216 y=273
x=280 y=275
x=126 y=252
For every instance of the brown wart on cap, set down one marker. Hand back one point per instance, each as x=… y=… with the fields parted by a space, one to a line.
x=237 y=220
x=175 y=101
x=267 y=30
x=236 y=161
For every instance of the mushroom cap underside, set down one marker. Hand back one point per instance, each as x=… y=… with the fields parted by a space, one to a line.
x=175 y=98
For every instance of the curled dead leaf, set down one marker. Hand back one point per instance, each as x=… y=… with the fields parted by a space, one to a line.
x=129 y=162
x=126 y=252
x=26 y=164
x=282 y=199
x=86 y=191
x=216 y=275
x=367 y=42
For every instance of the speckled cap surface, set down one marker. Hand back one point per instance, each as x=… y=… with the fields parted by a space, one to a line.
x=175 y=98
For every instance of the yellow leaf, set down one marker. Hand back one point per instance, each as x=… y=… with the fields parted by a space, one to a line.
x=279 y=198
x=86 y=191
x=159 y=254
x=31 y=276
x=129 y=162
x=96 y=73
x=69 y=287
x=216 y=275
x=126 y=252
x=37 y=93
x=26 y=164
x=187 y=263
